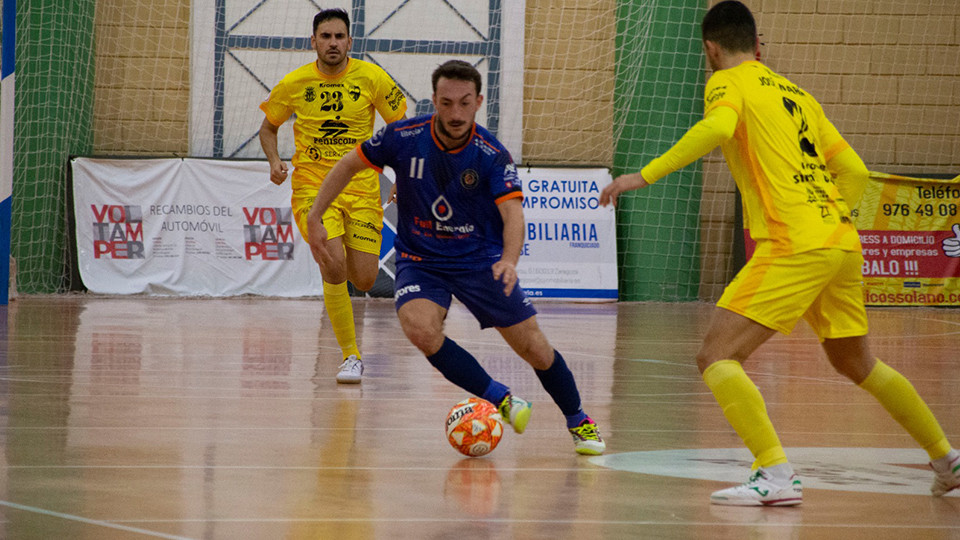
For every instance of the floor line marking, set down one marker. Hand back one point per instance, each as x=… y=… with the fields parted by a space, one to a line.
x=88 y=521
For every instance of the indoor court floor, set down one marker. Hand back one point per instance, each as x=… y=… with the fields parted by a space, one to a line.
x=137 y=417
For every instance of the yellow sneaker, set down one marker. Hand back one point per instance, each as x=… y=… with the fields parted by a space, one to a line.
x=515 y=412
x=586 y=438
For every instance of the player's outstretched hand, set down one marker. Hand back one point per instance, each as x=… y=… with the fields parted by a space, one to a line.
x=626 y=182
x=951 y=246
x=278 y=172
x=506 y=273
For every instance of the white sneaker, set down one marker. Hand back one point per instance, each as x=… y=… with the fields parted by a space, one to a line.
x=762 y=489
x=350 y=370
x=947 y=470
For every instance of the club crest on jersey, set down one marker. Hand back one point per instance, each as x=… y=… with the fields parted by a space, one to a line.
x=469 y=179
x=377 y=137
x=309 y=94
x=441 y=209
x=354 y=93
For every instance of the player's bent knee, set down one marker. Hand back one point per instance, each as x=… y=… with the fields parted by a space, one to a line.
x=538 y=353
x=364 y=283
x=424 y=337
x=854 y=368
x=333 y=273
x=427 y=342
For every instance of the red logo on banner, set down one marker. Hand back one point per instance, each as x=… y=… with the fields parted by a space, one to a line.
x=117 y=231
x=268 y=234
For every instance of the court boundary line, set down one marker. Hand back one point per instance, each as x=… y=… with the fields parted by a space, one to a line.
x=89 y=521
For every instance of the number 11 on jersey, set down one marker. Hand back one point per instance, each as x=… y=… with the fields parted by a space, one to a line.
x=416 y=168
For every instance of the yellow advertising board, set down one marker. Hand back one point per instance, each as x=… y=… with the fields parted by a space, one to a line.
x=910 y=232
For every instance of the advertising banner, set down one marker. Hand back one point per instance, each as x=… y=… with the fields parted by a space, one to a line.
x=220 y=228
x=571 y=244
x=188 y=227
x=910 y=232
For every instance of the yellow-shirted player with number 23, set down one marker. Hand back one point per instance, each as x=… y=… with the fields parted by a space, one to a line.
x=335 y=100
x=798 y=178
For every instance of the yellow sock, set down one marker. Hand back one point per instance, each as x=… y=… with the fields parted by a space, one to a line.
x=744 y=408
x=901 y=400
x=336 y=298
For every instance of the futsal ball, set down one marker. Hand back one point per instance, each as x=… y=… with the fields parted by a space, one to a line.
x=474 y=427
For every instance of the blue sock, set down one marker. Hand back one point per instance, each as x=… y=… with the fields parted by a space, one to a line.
x=495 y=393
x=461 y=368
x=558 y=381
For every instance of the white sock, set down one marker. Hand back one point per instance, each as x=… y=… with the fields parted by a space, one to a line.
x=782 y=471
x=943 y=464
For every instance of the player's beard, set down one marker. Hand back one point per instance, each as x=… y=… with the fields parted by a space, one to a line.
x=334 y=61
x=457 y=141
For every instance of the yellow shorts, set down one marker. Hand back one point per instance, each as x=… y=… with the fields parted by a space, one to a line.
x=358 y=219
x=824 y=287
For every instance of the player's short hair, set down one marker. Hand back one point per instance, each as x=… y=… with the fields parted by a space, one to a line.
x=328 y=14
x=457 y=70
x=730 y=25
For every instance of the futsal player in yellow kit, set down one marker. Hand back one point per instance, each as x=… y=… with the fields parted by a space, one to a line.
x=335 y=100
x=798 y=179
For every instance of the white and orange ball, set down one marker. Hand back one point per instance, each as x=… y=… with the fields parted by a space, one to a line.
x=474 y=427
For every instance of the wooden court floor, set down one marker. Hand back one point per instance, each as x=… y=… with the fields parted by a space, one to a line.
x=220 y=419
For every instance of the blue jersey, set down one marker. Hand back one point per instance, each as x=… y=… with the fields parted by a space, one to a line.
x=446 y=200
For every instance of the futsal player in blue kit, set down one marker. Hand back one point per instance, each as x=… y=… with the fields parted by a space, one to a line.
x=460 y=232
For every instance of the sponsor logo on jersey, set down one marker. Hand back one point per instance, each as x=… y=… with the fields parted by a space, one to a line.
x=364 y=238
x=331 y=129
x=510 y=178
x=331 y=133
x=404 y=290
x=395 y=98
x=441 y=209
x=716 y=93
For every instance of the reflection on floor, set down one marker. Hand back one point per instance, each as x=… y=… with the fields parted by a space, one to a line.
x=220 y=418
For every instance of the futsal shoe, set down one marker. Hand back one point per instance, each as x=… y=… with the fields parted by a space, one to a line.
x=762 y=489
x=947 y=470
x=350 y=370
x=586 y=438
x=515 y=412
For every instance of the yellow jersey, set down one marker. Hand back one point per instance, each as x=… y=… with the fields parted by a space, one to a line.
x=778 y=157
x=333 y=115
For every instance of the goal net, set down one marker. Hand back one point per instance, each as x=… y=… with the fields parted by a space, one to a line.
x=567 y=83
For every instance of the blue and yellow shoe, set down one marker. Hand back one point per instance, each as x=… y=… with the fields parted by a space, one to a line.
x=515 y=412
x=586 y=438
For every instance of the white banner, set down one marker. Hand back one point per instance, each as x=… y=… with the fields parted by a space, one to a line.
x=188 y=227
x=571 y=242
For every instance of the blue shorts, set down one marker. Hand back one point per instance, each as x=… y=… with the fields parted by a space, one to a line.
x=475 y=288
